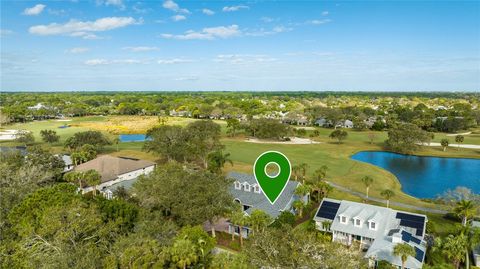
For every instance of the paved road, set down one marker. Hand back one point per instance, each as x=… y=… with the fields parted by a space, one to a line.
x=363 y=196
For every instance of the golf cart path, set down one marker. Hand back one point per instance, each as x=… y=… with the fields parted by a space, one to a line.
x=467 y=146
x=363 y=196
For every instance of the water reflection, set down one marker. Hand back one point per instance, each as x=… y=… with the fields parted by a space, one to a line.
x=426 y=177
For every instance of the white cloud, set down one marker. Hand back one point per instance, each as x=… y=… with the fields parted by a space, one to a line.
x=95 y=62
x=208 y=12
x=78 y=50
x=318 y=22
x=265 y=32
x=140 y=48
x=178 y=18
x=325 y=13
x=234 y=8
x=243 y=58
x=266 y=19
x=207 y=33
x=5 y=32
x=83 y=29
x=174 y=61
x=36 y=10
x=191 y=78
x=171 y=5
x=117 y=3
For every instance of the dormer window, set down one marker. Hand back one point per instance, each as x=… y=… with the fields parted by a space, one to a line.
x=256 y=189
x=238 y=186
x=357 y=222
x=246 y=186
x=373 y=225
x=343 y=219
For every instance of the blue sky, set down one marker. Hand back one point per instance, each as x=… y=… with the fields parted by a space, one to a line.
x=248 y=45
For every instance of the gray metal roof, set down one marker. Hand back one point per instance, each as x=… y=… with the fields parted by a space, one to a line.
x=258 y=200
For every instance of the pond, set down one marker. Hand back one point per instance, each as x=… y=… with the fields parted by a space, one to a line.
x=426 y=177
x=132 y=137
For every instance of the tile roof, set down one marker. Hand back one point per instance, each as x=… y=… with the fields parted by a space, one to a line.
x=110 y=167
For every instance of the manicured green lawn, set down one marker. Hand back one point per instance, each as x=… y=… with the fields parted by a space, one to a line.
x=342 y=170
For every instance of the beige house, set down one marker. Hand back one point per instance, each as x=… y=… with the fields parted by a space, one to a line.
x=115 y=170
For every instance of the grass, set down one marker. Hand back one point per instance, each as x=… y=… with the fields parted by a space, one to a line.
x=342 y=170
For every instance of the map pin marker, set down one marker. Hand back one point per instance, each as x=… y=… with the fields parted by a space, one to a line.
x=272 y=186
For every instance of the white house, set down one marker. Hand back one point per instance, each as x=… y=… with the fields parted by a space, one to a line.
x=376 y=229
x=115 y=171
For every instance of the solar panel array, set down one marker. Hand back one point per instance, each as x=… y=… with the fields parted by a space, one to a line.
x=328 y=210
x=407 y=237
x=412 y=221
x=419 y=254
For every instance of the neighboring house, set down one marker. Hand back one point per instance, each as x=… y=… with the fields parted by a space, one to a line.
x=68 y=162
x=348 y=124
x=248 y=193
x=302 y=122
x=181 y=113
x=37 y=107
x=377 y=229
x=115 y=172
x=476 y=250
x=322 y=122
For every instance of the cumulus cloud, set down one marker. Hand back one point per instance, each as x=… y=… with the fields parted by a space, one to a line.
x=78 y=50
x=35 y=10
x=207 y=33
x=174 y=61
x=140 y=48
x=265 y=32
x=83 y=29
x=95 y=62
x=234 y=8
x=208 y=12
x=178 y=18
x=171 y=5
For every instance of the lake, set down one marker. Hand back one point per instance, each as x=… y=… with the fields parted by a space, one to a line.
x=426 y=177
x=132 y=137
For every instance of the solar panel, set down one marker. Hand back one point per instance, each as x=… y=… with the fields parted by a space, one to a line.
x=328 y=210
x=415 y=240
x=419 y=254
x=406 y=236
x=412 y=221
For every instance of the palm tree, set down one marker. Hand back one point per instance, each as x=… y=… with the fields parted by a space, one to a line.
x=303 y=170
x=387 y=194
x=459 y=139
x=75 y=177
x=465 y=209
x=183 y=253
x=116 y=141
x=259 y=220
x=217 y=160
x=367 y=181
x=238 y=218
x=298 y=205
x=325 y=189
x=444 y=144
x=93 y=178
x=296 y=171
x=403 y=251
x=320 y=173
x=303 y=190
x=454 y=247
x=473 y=239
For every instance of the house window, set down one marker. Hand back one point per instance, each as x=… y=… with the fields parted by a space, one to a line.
x=237 y=185
x=343 y=219
x=257 y=189
x=373 y=225
x=247 y=187
x=358 y=223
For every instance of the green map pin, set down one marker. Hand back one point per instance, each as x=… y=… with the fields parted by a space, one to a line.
x=272 y=186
